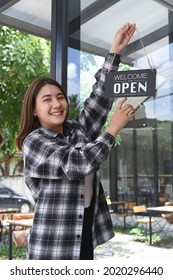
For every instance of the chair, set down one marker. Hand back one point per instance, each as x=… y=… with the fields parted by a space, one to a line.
x=169 y=203
x=22 y=216
x=128 y=211
x=20 y=234
x=125 y=211
x=168 y=219
x=20 y=237
x=4 y=228
x=145 y=220
x=112 y=212
x=168 y=222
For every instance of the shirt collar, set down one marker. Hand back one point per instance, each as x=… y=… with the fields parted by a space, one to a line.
x=48 y=132
x=69 y=127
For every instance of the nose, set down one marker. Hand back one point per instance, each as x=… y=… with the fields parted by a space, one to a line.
x=56 y=103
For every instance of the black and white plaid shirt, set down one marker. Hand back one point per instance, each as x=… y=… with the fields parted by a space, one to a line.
x=55 y=169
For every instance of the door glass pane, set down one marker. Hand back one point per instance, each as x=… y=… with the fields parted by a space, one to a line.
x=144 y=159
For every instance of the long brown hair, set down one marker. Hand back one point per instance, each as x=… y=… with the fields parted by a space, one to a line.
x=28 y=121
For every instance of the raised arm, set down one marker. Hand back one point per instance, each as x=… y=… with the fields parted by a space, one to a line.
x=97 y=106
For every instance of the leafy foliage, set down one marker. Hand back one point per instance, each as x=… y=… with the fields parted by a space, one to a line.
x=23 y=58
x=74 y=106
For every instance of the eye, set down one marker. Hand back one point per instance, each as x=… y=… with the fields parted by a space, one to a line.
x=47 y=100
x=61 y=97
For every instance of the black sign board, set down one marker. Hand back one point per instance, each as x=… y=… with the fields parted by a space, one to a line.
x=131 y=83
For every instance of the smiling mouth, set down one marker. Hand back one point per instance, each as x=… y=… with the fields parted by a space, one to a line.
x=57 y=113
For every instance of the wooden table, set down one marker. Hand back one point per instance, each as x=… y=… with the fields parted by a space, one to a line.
x=8 y=210
x=25 y=223
x=157 y=210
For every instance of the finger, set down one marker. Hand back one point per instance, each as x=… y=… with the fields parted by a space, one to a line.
x=128 y=33
x=131 y=30
x=130 y=109
x=120 y=104
x=128 y=26
x=124 y=27
x=131 y=115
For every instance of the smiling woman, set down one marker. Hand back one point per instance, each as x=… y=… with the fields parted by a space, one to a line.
x=51 y=108
x=29 y=119
x=62 y=159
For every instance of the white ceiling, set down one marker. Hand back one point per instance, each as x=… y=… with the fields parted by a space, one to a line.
x=97 y=31
x=33 y=11
x=102 y=27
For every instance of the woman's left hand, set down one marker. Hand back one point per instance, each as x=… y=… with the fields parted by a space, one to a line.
x=122 y=37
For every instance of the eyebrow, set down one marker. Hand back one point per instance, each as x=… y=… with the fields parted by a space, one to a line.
x=48 y=95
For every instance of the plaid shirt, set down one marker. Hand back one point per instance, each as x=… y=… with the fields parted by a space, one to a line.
x=55 y=167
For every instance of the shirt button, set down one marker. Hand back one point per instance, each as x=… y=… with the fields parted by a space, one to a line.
x=80 y=216
x=82 y=196
x=78 y=236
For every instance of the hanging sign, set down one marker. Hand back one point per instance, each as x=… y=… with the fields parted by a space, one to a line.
x=131 y=83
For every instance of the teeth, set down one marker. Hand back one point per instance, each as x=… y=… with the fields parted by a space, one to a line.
x=56 y=114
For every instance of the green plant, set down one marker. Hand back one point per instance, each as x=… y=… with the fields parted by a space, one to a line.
x=4 y=252
x=138 y=231
x=23 y=58
x=141 y=234
x=121 y=254
x=156 y=239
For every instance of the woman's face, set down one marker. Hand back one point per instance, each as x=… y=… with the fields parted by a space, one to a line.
x=51 y=108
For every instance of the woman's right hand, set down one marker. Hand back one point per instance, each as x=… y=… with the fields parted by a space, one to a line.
x=121 y=116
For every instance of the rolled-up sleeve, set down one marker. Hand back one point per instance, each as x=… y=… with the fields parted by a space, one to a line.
x=59 y=159
x=98 y=105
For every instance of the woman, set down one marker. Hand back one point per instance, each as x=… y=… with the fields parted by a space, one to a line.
x=62 y=159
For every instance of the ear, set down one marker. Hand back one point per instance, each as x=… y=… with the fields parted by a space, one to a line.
x=34 y=113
